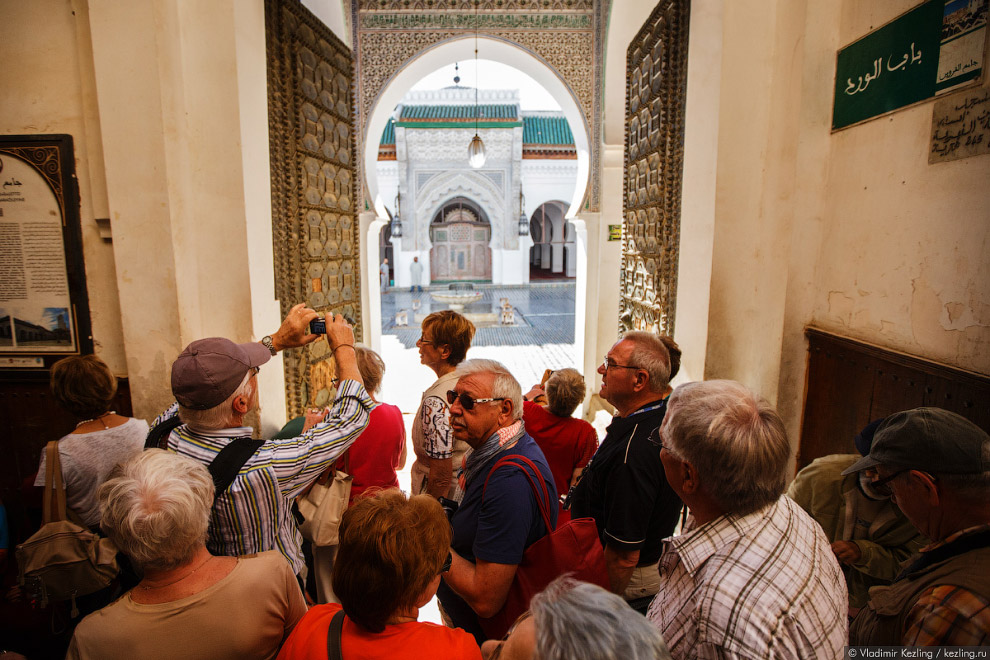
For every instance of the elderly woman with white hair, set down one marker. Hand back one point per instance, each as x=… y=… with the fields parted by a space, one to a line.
x=571 y=620
x=189 y=604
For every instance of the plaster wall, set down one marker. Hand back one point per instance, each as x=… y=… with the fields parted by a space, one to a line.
x=853 y=232
x=753 y=194
x=604 y=266
x=49 y=87
x=545 y=180
x=334 y=14
x=916 y=235
x=891 y=250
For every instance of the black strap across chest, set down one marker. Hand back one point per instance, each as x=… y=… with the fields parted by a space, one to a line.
x=224 y=468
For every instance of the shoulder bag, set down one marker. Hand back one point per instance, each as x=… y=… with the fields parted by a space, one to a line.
x=570 y=549
x=333 y=636
x=63 y=560
x=323 y=505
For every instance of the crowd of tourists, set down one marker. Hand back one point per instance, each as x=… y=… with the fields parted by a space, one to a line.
x=704 y=550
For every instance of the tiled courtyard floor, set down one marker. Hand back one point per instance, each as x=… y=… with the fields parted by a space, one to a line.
x=543 y=338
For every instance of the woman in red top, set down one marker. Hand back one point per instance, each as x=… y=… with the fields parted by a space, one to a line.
x=567 y=442
x=372 y=460
x=392 y=551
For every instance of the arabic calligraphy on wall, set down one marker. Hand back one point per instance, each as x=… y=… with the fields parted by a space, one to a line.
x=930 y=50
x=961 y=126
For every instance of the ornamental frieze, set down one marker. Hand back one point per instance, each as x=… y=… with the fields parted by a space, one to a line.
x=485 y=22
x=469 y=5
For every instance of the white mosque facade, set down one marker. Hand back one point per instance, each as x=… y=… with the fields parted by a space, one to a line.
x=496 y=223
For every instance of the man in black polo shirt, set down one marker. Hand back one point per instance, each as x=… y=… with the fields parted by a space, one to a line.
x=624 y=488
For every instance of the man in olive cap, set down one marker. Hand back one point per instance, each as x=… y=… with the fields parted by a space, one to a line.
x=936 y=465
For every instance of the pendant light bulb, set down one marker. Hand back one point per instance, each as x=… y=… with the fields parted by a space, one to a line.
x=476 y=152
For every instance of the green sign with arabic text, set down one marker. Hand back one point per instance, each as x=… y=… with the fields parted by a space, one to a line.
x=892 y=67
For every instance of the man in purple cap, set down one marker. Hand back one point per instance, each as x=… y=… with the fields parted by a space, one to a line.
x=215 y=385
x=936 y=466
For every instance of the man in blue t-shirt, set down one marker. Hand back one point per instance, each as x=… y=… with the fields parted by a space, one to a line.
x=493 y=526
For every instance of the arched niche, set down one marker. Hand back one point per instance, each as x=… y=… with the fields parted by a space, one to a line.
x=468 y=184
x=461 y=50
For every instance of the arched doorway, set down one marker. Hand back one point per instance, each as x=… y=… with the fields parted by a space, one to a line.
x=460 y=234
x=552 y=255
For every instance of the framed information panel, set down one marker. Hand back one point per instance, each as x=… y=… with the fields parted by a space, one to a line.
x=44 y=309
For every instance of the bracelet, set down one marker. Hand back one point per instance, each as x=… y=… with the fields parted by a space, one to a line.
x=334 y=351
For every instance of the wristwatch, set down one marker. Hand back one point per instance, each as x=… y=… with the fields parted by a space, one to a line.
x=269 y=344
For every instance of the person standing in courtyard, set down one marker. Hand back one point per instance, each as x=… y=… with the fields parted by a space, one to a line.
x=416 y=273
x=383 y=275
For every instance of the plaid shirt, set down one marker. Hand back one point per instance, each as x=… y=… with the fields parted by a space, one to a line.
x=948 y=615
x=254 y=514
x=766 y=585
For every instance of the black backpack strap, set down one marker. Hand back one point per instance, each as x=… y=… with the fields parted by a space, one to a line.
x=161 y=431
x=333 y=636
x=230 y=460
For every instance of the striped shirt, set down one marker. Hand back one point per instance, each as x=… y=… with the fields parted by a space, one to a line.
x=765 y=585
x=254 y=514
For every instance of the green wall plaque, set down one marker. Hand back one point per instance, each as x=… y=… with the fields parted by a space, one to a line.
x=930 y=50
x=889 y=68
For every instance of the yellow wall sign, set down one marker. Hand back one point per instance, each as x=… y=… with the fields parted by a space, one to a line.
x=615 y=232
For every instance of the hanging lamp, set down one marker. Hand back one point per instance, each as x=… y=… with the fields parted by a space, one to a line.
x=476 y=150
x=523 y=220
x=396 y=224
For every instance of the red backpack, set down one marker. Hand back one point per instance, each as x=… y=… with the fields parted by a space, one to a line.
x=571 y=549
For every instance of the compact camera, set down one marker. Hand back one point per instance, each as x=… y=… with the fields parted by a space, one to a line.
x=318 y=327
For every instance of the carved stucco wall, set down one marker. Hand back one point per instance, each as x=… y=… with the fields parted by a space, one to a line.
x=471 y=184
x=656 y=74
x=566 y=34
x=435 y=150
x=312 y=146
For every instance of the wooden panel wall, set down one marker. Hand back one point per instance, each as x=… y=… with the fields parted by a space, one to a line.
x=29 y=419
x=851 y=383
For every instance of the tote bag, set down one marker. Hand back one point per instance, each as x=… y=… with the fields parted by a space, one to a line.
x=323 y=506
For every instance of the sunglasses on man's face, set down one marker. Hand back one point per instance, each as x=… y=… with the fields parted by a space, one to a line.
x=466 y=401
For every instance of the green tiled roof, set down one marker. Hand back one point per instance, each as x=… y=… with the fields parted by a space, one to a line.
x=458 y=112
x=536 y=130
x=546 y=130
x=388 y=135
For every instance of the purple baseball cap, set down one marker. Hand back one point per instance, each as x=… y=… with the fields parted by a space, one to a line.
x=210 y=370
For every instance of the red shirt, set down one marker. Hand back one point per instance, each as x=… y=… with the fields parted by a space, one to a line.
x=374 y=456
x=567 y=442
x=410 y=641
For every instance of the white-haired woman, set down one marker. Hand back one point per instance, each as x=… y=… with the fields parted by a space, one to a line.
x=571 y=620
x=189 y=604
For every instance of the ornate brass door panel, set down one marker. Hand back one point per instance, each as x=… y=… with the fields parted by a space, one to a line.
x=314 y=207
x=656 y=71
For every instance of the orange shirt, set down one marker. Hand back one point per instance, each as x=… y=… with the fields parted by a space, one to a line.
x=410 y=641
